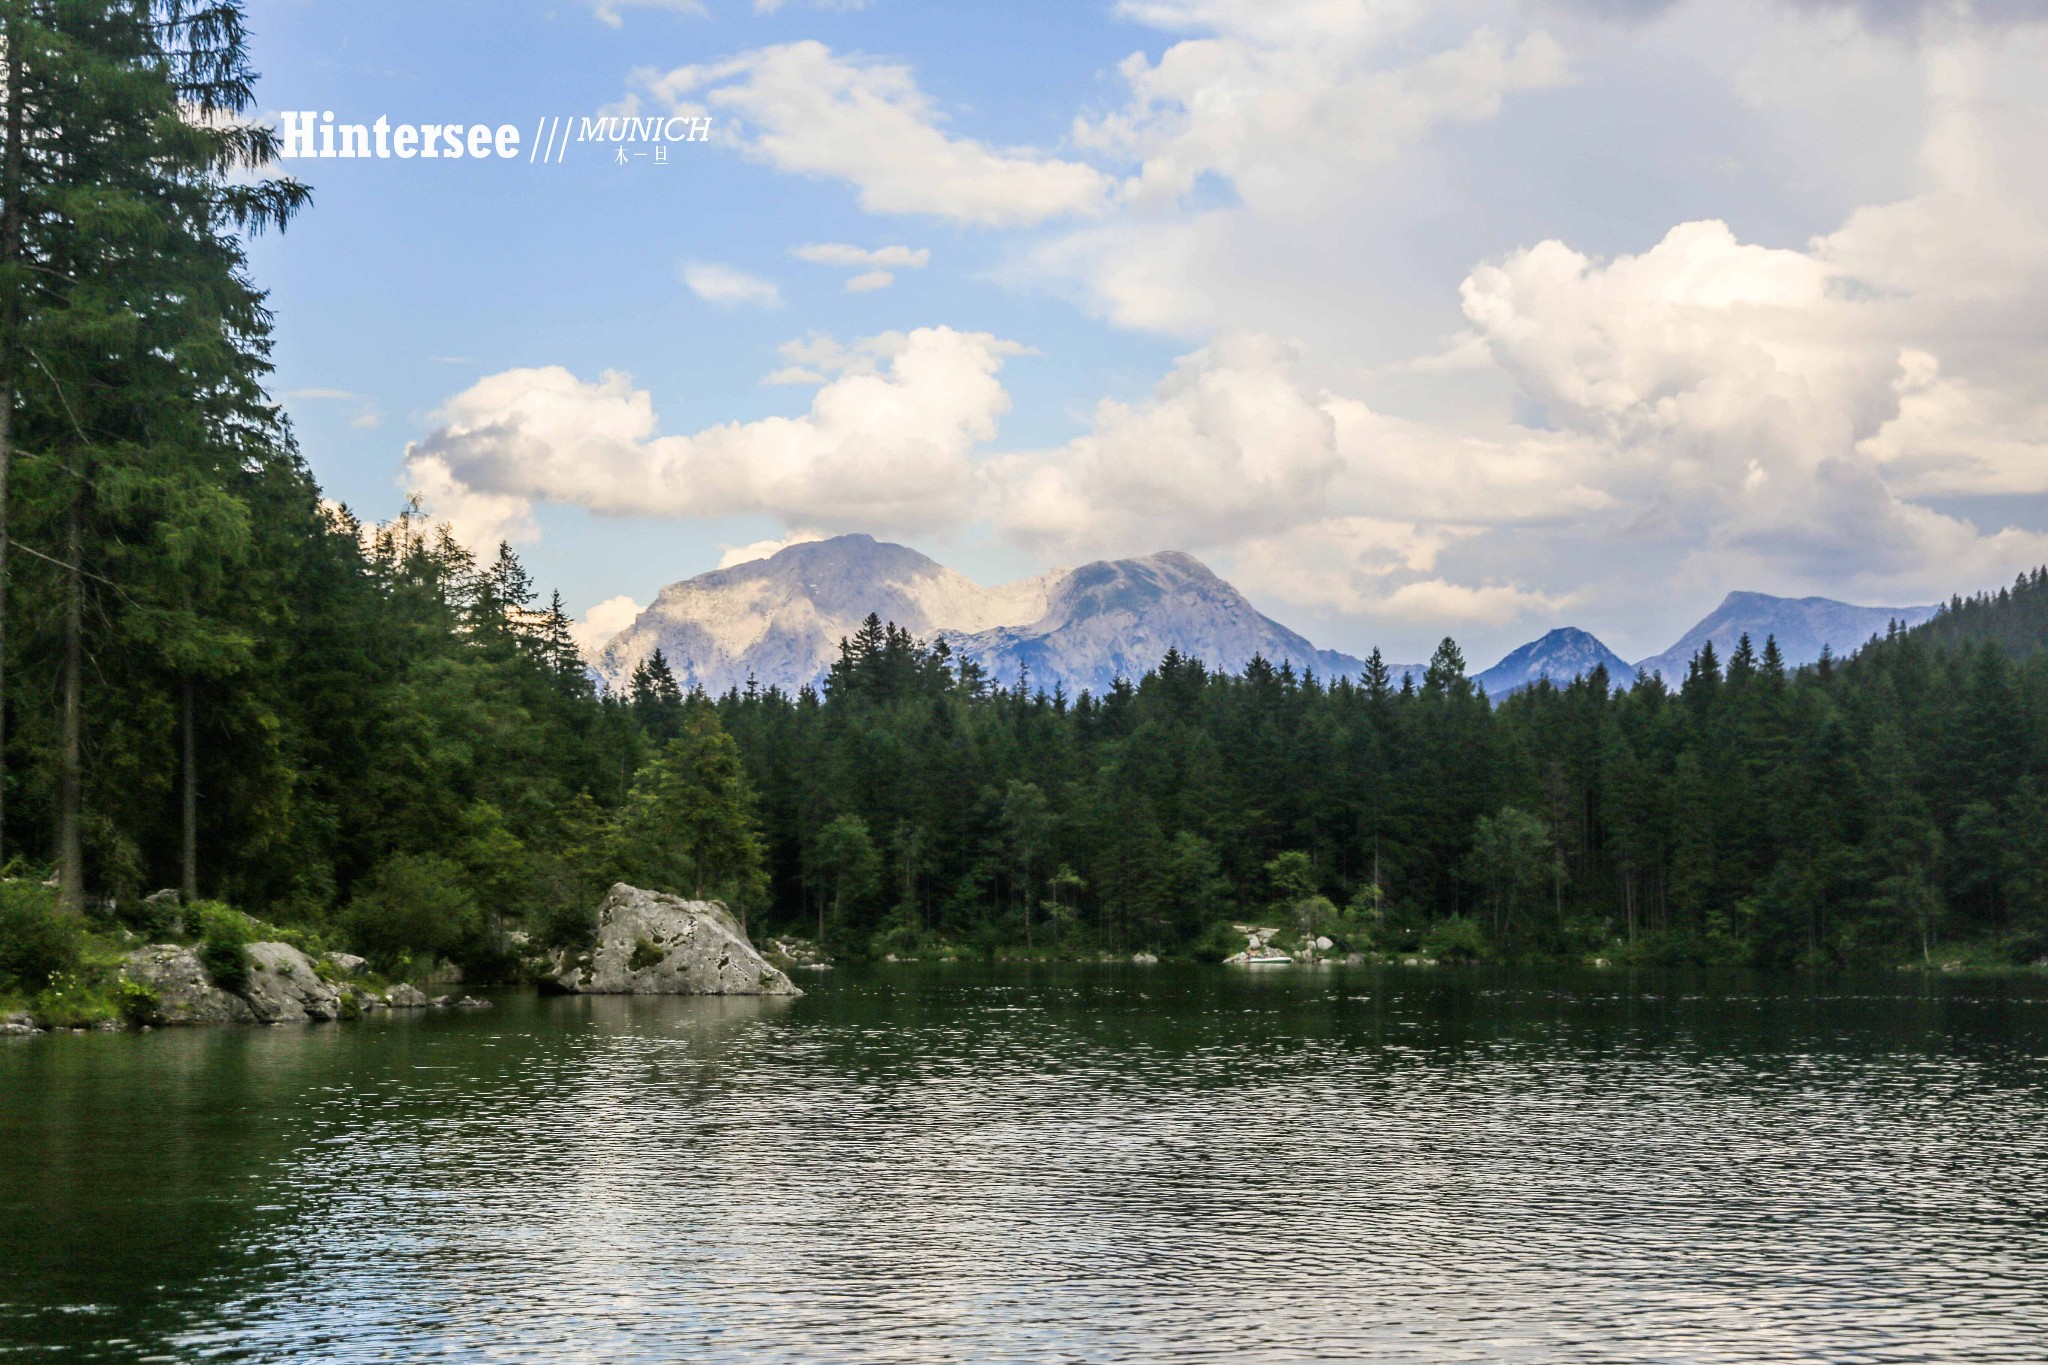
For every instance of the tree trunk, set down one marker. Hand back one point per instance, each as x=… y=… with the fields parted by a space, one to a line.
x=10 y=318
x=6 y=460
x=70 y=786
x=188 y=850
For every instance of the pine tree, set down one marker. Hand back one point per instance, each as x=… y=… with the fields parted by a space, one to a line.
x=148 y=343
x=689 y=824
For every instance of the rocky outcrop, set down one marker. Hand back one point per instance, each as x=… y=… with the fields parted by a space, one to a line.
x=652 y=944
x=284 y=988
x=345 y=964
x=185 y=994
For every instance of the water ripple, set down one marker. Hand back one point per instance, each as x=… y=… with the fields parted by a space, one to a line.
x=944 y=1164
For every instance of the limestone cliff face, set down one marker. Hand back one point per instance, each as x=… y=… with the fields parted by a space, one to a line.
x=1117 y=618
x=1802 y=626
x=653 y=944
x=780 y=620
x=1562 y=655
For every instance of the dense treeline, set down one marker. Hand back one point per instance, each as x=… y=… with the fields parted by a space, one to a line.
x=215 y=681
x=1844 y=812
x=211 y=680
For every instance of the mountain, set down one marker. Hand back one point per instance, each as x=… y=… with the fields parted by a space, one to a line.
x=1801 y=625
x=1117 y=618
x=1560 y=656
x=780 y=619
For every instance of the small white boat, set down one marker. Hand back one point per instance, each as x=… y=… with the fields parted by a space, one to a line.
x=1268 y=957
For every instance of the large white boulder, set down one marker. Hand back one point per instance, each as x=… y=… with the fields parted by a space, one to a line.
x=284 y=987
x=185 y=994
x=653 y=944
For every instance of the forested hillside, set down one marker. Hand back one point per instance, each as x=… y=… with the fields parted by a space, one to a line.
x=216 y=682
x=1867 y=811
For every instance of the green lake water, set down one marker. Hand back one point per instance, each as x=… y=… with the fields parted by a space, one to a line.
x=927 y=1163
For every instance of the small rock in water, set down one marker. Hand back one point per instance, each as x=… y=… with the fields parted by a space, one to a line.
x=406 y=997
x=470 y=1002
x=1144 y=959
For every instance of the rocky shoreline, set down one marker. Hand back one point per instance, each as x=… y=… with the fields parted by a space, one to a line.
x=167 y=984
x=646 y=943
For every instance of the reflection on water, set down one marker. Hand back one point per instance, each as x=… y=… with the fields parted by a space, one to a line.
x=1054 y=1164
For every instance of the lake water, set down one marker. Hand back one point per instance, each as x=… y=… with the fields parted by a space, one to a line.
x=927 y=1163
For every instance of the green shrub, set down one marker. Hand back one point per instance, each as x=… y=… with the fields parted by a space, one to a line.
x=36 y=940
x=1457 y=939
x=1314 y=916
x=223 y=944
x=2025 y=948
x=645 y=955
x=1221 y=941
x=567 y=924
x=69 y=1001
x=138 y=1005
x=159 y=922
x=901 y=932
x=413 y=904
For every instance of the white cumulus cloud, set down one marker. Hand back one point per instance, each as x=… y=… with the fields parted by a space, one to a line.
x=862 y=258
x=764 y=549
x=805 y=110
x=611 y=12
x=601 y=623
x=728 y=287
x=883 y=447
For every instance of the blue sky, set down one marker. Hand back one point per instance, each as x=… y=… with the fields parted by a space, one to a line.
x=1471 y=317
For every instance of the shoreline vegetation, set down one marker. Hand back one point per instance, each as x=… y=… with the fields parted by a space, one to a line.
x=106 y=976
x=374 y=740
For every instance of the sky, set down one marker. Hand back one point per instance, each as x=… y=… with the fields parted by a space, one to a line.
x=1409 y=317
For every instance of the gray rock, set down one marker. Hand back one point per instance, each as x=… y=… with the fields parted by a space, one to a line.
x=168 y=896
x=1144 y=959
x=796 y=952
x=652 y=944
x=18 y=1024
x=185 y=994
x=1323 y=945
x=345 y=964
x=470 y=1002
x=405 y=997
x=285 y=989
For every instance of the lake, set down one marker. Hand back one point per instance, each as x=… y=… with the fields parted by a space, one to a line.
x=926 y=1163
